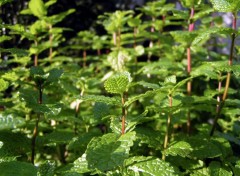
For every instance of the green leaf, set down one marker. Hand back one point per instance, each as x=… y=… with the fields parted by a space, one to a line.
x=139 y=50
x=118 y=84
x=180 y=148
x=59 y=17
x=215 y=169
x=11 y=76
x=3 y=85
x=226 y=5
x=191 y=3
x=17 y=146
x=49 y=3
x=4 y=2
x=10 y=121
x=47 y=168
x=148 y=85
x=81 y=165
x=151 y=166
x=17 y=168
x=184 y=37
x=37 y=8
x=203 y=148
x=109 y=151
x=54 y=75
x=102 y=99
x=4 y=38
x=15 y=51
x=100 y=110
x=138 y=97
x=170 y=80
x=206 y=33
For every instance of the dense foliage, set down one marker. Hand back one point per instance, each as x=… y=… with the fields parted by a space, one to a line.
x=155 y=95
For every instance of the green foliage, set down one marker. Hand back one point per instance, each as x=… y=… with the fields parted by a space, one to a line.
x=20 y=168
x=118 y=84
x=139 y=100
x=226 y=5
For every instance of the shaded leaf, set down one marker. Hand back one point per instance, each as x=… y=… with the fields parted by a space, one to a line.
x=47 y=168
x=17 y=168
x=109 y=151
x=180 y=148
x=215 y=169
x=102 y=99
x=10 y=121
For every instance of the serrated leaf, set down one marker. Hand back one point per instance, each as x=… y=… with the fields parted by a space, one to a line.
x=203 y=148
x=109 y=151
x=118 y=58
x=152 y=166
x=81 y=165
x=59 y=137
x=15 y=51
x=20 y=169
x=117 y=84
x=100 y=110
x=18 y=145
x=3 y=85
x=37 y=8
x=54 y=75
x=11 y=76
x=215 y=169
x=179 y=148
x=137 y=97
x=184 y=37
x=102 y=99
x=170 y=80
x=148 y=85
x=226 y=5
x=10 y=122
x=203 y=35
x=46 y=169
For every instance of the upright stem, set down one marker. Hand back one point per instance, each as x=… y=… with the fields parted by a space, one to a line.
x=35 y=131
x=77 y=110
x=167 y=135
x=84 y=58
x=50 y=42
x=119 y=38
x=234 y=26
x=36 y=55
x=115 y=38
x=124 y=113
x=189 y=67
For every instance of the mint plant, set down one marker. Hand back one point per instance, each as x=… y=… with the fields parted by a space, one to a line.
x=153 y=94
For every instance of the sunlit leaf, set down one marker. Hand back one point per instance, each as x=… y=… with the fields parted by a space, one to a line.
x=118 y=84
x=37 y=8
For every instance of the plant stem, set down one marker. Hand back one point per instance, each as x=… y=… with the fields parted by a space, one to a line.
x=84 y=58
x=166 y=139
x=35 y=131
x=50 y=42
x=221 y=104
x=124 y=113
x=189 y=67
x=36 y=55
